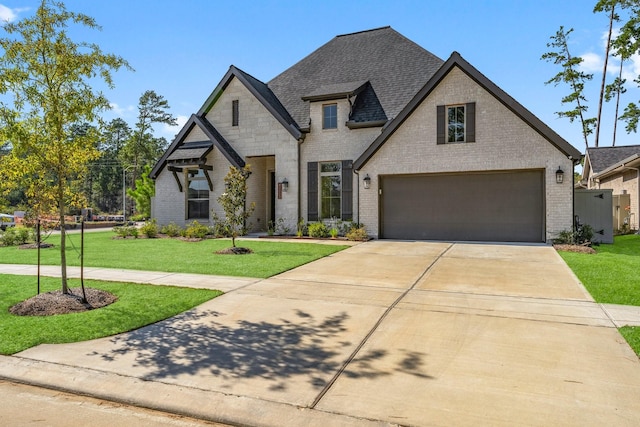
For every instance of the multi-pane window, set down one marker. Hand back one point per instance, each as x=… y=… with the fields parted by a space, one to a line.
x=330 y=116
x=456 y=123
x=330 y=189
x=197 y=195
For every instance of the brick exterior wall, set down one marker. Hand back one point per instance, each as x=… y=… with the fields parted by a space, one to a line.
x=261 y=141
x=326 y=145
x=503 y=142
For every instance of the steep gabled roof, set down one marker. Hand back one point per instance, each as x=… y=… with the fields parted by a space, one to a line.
x=395 y=67
x=455 y=60
x=261 y=91
x=603 y=158
x=214 y=137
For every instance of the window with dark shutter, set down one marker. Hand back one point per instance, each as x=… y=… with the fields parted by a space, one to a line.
x=235 y=113
x=456 y=123
x=312 y=191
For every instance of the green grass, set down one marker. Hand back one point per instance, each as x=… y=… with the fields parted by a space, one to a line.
x=612 y=275
x=172 y=255
x=632 y=335
x=137 y=306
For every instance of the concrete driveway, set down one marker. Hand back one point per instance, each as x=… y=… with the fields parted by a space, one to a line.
x=408 y=333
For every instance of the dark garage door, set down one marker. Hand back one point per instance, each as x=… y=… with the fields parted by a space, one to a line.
x=495 y=206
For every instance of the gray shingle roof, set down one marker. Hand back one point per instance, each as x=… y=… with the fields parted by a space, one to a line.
x=335 y=90
x=191 y=151
x=395 y=66
x=602 y=158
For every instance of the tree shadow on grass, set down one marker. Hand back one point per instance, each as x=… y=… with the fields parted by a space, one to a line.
x=199 y=343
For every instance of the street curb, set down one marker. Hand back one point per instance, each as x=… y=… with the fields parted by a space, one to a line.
x=195 y=403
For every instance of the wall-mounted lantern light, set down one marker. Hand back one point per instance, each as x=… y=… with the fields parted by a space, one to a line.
x=285 y=185
x=366 y=181
x=559 y=176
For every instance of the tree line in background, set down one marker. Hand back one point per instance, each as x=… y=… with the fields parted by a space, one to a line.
x=110 y=156
x=57 y=156
x=622 y=43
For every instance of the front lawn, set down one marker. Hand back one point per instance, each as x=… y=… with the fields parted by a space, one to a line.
x=612 y=276
x=176 y=256
x=137 y=306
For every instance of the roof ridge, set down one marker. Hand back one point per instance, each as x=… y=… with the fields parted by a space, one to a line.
x=617 y=146
x=364 y=31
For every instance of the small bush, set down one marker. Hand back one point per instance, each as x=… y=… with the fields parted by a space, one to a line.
x=195 y=230
x=301 y=227
x=14 y=236
x=219 y=227
x=150 y=229
x=172 y=229
x=126 y=231
x=318 y=229
x=358 y=234
x=583 y=234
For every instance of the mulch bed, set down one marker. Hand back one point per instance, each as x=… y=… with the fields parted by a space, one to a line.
x=234 y=251
x=35 y=246
x=55 y=302
x=575 y=248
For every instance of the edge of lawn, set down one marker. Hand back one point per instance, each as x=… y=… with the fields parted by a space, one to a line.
x=610 y=276
x=138 y=305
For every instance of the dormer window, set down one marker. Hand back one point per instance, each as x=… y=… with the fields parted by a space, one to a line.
x=330 y=116
x=235 y=113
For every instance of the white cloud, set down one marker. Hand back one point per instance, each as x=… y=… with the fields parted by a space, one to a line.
x=121 y=111
x=9 y=15
x=170 y=131
x=591 y=62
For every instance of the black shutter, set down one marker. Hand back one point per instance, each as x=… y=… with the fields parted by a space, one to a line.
x=312 y=191
x=440 y=126
x=347 y=190
x=471 y=122
x=235 y=112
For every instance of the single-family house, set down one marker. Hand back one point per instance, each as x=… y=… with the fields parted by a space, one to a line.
x=374 y=129
x=617 y=169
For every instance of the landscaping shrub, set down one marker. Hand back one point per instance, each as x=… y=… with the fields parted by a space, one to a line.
x=318 y=229
x=583 y=234
x=126 y=231
x=358 y=234
x=172 y=229
x=14 y=236
x=150 y=229
x=195 y=230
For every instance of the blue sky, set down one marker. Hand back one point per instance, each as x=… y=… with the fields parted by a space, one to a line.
x=181 y=49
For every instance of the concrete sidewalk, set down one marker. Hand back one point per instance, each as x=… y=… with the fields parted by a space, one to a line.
x=383 y=333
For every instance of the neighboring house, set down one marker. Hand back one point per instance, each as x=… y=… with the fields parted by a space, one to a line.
x=618 y=169
x=374 y=129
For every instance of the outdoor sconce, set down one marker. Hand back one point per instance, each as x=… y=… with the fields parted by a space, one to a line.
x=559 y=176
x=366 y=181
x=285 y=185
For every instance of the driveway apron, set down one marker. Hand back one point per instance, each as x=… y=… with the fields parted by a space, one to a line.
x=409 y=333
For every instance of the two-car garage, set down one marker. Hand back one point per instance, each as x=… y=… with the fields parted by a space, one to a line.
x=500 y=206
